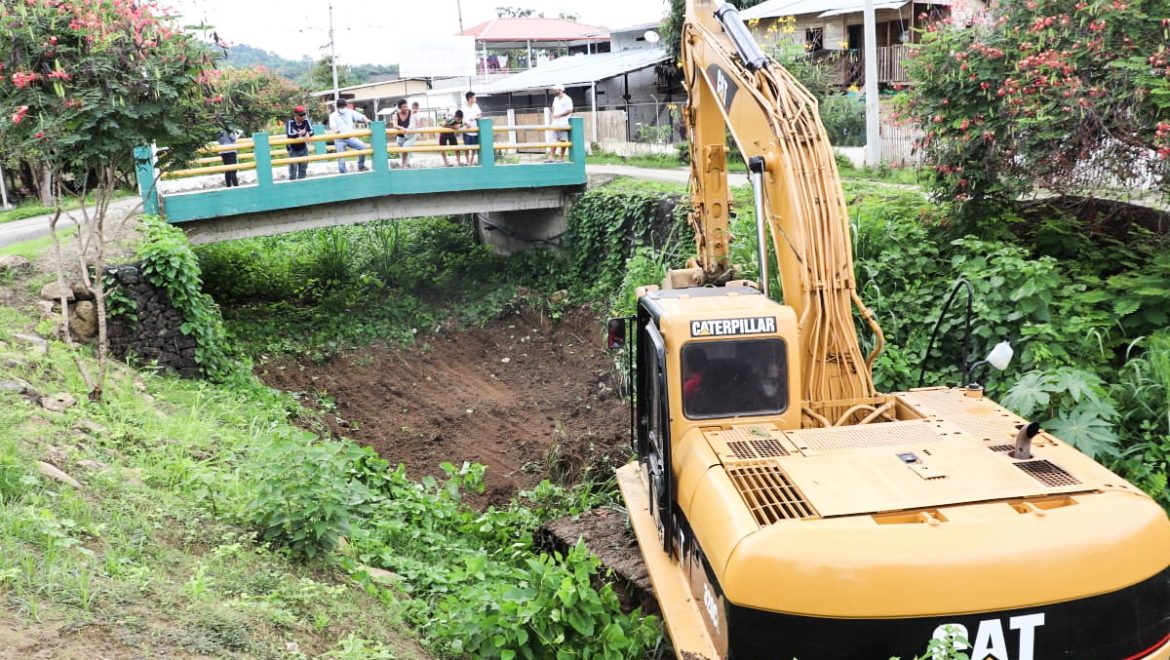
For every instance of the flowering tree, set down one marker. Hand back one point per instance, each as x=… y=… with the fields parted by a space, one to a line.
x=1067 y=95
x=83 y=82
x=255 y=98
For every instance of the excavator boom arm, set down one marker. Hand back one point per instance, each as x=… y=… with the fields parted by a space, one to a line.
x=732 y=85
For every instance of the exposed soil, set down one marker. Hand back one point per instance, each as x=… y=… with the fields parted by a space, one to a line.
x=528 y=398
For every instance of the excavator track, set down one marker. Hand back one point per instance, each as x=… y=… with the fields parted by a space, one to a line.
x=681 y=615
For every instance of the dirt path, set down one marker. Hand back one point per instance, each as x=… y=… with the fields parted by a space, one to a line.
x=527 y=398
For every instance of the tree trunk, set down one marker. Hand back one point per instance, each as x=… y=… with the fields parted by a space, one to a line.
x=45 y=185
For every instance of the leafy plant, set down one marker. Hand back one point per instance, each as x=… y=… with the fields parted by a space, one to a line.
x=1072 y=404
x=168 y=263
x=548 y=607
x=16 y=478
x=1045 y=94
x=305 y=494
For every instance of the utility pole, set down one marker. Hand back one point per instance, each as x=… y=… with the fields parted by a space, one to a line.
x=873 y=147
x=333 y=58
x=459 y=8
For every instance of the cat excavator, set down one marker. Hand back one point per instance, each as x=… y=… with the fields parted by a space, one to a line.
x=784 y=507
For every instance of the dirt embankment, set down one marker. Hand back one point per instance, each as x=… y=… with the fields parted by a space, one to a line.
x=528 y=398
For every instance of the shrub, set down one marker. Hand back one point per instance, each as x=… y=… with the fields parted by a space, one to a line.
x=306 y=493
x=547 y=607
x=1043 y=93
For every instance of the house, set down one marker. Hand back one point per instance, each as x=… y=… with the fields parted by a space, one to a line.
x=372 y=97
x=511 y=45
x=833 y=31
x=616 y=91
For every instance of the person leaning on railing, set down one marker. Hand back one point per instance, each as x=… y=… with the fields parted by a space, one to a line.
x=298 y=127
x=342 y=120
x=451 y=139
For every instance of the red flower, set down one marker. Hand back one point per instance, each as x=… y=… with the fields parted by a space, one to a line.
x=39 y=134
x=18 y=116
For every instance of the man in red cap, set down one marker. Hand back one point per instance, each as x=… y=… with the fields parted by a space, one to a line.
x=298 y=127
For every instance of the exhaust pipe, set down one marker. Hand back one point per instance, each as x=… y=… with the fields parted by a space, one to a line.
x=756 y=175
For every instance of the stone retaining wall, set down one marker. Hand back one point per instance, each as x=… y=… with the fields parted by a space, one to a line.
x=153 y=333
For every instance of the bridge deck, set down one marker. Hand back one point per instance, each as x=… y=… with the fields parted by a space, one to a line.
x=488 y=178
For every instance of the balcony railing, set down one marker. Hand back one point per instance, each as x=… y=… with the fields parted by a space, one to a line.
x=847 y=67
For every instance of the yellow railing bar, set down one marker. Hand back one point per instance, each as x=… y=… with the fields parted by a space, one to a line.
x=246 y=144
x=329 y=156
x=199 y=171
x=216 y=159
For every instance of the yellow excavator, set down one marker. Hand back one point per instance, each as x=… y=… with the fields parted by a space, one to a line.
x=787 y=509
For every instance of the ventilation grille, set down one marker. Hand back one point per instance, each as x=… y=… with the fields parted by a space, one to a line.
x=1048 y=473
x=757 y=449
x=1002 y=447
x=769 y=494
x=870 y=435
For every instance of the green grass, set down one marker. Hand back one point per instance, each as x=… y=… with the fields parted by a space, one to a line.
x=347 y=286
x=24 y=210
x=143 y=550
x=656 y=161
x=37 y=246
x=885 y=174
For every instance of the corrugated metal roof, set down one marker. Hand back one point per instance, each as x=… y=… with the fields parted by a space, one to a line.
x=534 y=29
x=852 y=10
x=576 y=70
x=777 y=8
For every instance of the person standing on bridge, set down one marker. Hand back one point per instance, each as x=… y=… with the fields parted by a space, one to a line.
x=404 y=120
x=562 y=109
x=471 y=114
x=228 y=136
x=342 y=120
x=298 y=127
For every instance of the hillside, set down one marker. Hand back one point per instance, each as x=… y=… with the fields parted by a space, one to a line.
x=243 y=56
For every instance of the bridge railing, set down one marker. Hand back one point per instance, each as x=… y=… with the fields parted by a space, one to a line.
x=255 y=154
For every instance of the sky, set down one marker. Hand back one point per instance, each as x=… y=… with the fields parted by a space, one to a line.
x=366 y=32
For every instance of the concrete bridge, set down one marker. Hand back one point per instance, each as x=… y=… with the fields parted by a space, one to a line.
x=517 y=202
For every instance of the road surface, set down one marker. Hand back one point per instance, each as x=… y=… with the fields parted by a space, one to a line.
x=33 y=228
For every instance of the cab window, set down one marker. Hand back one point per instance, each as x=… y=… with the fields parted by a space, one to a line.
x=734 y=378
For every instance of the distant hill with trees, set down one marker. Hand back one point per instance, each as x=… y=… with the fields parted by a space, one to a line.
x=302 y=71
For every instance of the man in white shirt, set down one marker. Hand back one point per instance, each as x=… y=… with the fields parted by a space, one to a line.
x=471 y=114
x=342 y=120
x=562 y=109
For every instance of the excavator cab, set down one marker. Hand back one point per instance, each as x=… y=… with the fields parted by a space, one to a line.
x=705 y=357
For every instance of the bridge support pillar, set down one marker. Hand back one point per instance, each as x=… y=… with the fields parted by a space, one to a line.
x=509 y=232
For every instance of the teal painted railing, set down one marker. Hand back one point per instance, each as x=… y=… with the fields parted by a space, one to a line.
x=379 y=181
